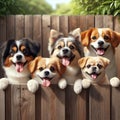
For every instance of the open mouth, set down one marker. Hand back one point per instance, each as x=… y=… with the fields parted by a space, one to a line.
x=46 y=81
x=66 y=60
x=100 y=51
x=19 y=66
x=93 y=75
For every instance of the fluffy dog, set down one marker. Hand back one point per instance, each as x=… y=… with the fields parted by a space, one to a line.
x=68 y=50
x=93 y=70
x=44 y=71
x=15 y=58
x=102 y=42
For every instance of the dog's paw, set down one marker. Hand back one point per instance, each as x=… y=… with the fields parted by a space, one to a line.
x=77 y=86
x=62 y=84
x=32 y=85
x=86 y=83
x=114 y=82
x=3 y=83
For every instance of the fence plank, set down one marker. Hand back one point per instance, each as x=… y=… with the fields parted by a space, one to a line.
x=99 y=21
x=20 y=25
x=45 y=32
x=55 y=22
x=52 y=103
x=2 y=105
x=13 y=95
x=37 y=36
x=29 y=26
x=99 y=103
x=27 y=104
x=75 y=105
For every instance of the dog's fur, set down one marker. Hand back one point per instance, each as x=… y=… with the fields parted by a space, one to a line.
x=102 y=42
x=45 y=71
x=68 y=50
x=15 y=58
x=93 y=70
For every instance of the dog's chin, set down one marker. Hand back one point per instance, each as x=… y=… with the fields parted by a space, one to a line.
x=19 y=66
x=100 y=51
x=93 y=76
x=66 y=60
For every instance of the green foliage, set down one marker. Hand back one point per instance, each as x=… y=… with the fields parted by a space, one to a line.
x=64 y=9
x=104 y=7
x=24 y=7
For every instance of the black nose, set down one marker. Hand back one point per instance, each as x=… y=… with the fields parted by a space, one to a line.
x=65 y=51
x=100 y=43
x=19 y=57
x=94 y=69
x=46 y=73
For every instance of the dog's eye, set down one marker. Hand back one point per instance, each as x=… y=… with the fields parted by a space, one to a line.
x=94 y=37
x=41 y=68
x=12 y=53
x=52 y=69
x=59 y=47
x=88 y=66
x=106 y=37
x=99 y=66
x=71 y=47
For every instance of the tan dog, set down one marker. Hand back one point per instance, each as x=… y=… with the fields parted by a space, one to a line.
x=45 y=71
x=93 y=70
x=102 y=42
x=68 y=49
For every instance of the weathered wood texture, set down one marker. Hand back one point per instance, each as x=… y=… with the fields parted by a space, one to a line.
x=17 y=103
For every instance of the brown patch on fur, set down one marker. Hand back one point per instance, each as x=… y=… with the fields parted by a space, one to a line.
x=7 y=62
x=14 y=48
x=22 y=48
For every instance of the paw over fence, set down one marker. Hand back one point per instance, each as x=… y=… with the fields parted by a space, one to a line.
x=95 y=103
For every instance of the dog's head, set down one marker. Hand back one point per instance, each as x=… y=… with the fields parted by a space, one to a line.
x=47 y=69
x=93 y=68
x=100 y=40
x=17 y=53
x=68 y=49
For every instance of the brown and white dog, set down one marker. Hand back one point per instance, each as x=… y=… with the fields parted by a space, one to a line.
x=102 y=42
x=93 y=70
x=45 y=71
x=15 y=58
x=68 y=49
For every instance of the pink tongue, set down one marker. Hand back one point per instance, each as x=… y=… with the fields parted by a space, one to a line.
x=19 y=67
x=46 y=83
x=65 y=61
x=94 y=76
x=100 y=52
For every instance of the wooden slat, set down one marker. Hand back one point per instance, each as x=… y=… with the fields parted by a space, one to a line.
x=83 y=23
x=29 y=26
x=2 y=105
x=55 y=22
x=63 y=24
x=27 y=104
x=115 y=107
x=20 y=25
x=99 y=103
x=108 y=21
x=99 y=21
x=13 y=98
x=2 y=39
x=90 y=21
x=37 y=36
x=75 y=105
x=45 y=33
x=52 y=103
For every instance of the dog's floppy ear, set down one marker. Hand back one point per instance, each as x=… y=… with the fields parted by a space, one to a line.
x=76 y=34
x=115 y=38
x=33 y=64
x=105 y=61
x=82 y=62
x=54 y=35
x=85 y=36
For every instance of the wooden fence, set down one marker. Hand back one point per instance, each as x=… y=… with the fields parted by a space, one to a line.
x=17 y=103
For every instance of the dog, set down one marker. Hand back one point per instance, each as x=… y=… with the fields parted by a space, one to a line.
x=102 y=42
x=93 y=70
x=68 y=50
x=45 y=71
x=15 y=58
